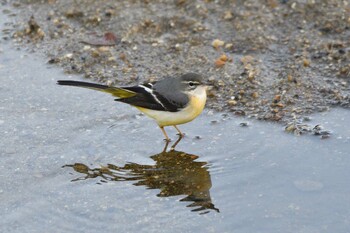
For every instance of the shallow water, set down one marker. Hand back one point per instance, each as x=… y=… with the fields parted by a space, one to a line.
x=73 y=160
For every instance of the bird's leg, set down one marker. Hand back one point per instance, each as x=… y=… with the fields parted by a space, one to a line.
x=180 y=133
x=167 y=139
x=166 y=146
x=175 y=144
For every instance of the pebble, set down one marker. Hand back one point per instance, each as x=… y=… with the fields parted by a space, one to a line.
x=217 y=43
x=232 y=102
x=228 y=15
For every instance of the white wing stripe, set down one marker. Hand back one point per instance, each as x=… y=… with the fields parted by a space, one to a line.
x=150 y=91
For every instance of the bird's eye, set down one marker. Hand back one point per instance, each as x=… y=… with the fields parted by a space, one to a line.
x=191 y=84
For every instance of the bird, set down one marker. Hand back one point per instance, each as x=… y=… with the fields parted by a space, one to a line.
x=171 y=101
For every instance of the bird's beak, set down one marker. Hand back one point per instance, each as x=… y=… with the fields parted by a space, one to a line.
x=206 y=84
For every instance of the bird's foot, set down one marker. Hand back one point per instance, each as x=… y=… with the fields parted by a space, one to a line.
x=181 y=135
x=167 y=141
x=172 y=148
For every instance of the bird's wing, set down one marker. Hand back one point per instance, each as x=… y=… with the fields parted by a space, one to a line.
x=149 y=97
x=115 y=91
x=170 y=91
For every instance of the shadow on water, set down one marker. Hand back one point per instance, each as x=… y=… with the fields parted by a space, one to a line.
x=175 y=173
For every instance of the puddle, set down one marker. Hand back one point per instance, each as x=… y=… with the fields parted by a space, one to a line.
x=74 y=160
x=175 y=173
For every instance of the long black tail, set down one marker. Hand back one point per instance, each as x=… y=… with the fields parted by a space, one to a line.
x=115 y=91
x=81 y=84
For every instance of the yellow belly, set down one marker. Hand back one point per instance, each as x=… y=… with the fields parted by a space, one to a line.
x=190 y=112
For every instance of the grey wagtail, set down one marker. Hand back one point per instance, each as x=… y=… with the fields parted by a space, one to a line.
x=170 y=102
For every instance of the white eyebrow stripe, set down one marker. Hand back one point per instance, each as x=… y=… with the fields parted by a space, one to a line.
x=150 y=91
x=194 y=82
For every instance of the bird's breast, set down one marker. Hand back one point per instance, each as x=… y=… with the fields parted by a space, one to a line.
x=191 y=111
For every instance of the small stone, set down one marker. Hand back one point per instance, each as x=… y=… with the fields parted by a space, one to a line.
x=251 y=75
x=178 y=47
x=221 y=83
x=217 y=43
x=95 y=53
x=122 y=57
x=68 y=55
x=247 y=59
x=103 y=49
x=277 y=98
x=290 y=128
x=272 y=3
x=228 y=15
x=73 y=13
x=219 y=63
x=223 y=58
x=112 y=59
x=232 y=102
x=40 y=33
x=109 y=12
x=229 y=46
x=307 y=118
x=255 y=95
x=306 y=62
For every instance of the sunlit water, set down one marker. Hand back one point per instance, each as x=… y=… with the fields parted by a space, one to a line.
x=73 y=160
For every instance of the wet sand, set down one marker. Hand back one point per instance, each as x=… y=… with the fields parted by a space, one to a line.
x=271 y=60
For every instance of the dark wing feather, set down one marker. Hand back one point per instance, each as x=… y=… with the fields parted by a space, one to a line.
x=156 y=100
x=142 y=99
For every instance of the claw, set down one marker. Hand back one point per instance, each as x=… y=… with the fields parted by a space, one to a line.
x=181 y=135
x=172 y=148
x=167 y=140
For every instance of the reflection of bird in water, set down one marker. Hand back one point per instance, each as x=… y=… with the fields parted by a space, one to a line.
x=175 y=173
